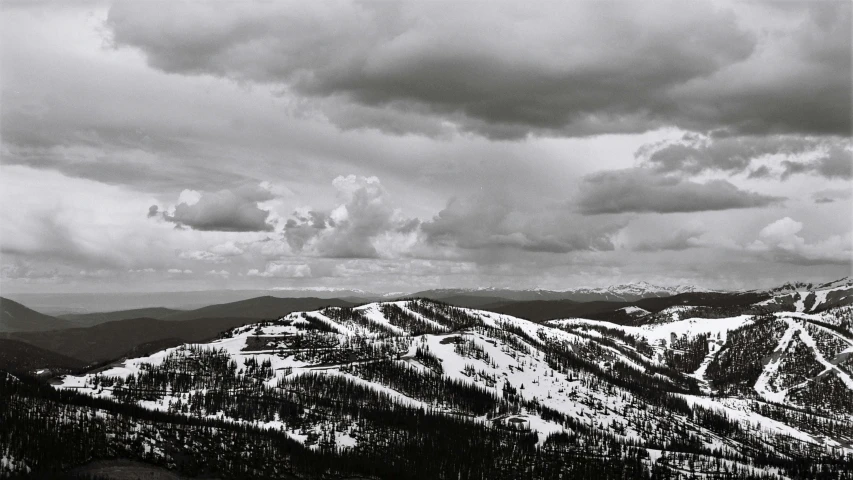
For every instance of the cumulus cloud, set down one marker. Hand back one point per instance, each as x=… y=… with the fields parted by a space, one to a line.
x=643 y=190
x=781 y=241
x=353 y=229
x=576 y=68
x=234 y=210
x=487 y=222
x=178 y=271
x=219 y=273
x=281 y=270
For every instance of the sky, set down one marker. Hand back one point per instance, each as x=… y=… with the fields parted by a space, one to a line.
x=397 y=146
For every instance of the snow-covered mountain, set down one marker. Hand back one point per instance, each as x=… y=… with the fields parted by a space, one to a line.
x=747 y=393
x=630 y=292
x=808 y=297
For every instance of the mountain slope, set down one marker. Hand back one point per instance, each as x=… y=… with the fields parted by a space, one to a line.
x=538 y=311
x=362 y=379
x=112 y=340
x=261 y=308
x=90 y=319
x=20 y=357
x=802 y=297
x=15 y=317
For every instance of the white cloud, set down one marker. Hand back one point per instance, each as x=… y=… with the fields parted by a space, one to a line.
x=178 y=271
x=281 y=270
x=782 y=241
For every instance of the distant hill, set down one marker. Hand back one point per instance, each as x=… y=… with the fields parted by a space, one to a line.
x=138 y=336
x=702 y=299
x=473 y=301
x=113 y=340
x=539 y=311
x=615 y=293
x=90 y=319
x=15 y=317
x=21 y=357
x=259 y=308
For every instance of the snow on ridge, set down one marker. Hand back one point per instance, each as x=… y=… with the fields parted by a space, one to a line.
x=663 y=331
x=632 y=310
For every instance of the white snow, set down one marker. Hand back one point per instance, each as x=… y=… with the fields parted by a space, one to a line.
x=632 y=310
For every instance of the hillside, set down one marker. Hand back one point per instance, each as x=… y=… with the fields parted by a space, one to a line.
x=20 y=357
x=261 y=308
x=538 y=311
x=802 y=297
x=90 y=319
x=15 y=317
x=112 y=340
x=363 y=388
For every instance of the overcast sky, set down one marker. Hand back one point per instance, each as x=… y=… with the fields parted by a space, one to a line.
x=396 y=146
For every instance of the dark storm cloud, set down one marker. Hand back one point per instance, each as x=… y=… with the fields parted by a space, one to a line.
x=224 y=211
x=490 y=222
x=509 y=69
x=643 y=190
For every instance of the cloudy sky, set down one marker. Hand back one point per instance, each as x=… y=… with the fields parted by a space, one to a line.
x=395 y=146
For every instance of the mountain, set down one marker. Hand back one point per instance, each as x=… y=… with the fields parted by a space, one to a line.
x=420 y=389
x=113 y=340
x=628 y=292
x=616 y=293
x=540 y=310
x=89 y=319
x=808 y=297
x=475 y=301
x=261 y=308
x=15 y=317
x=723 y=302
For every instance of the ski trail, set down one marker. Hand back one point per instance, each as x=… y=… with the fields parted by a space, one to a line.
x=762 y=385
x=699 y=374
x=809 y=341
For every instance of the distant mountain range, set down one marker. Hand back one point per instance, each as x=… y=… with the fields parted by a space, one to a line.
x=617 y=293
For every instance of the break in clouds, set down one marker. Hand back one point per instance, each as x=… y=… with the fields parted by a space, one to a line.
x=382 y=145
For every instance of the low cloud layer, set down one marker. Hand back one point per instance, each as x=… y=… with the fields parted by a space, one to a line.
x=640 y=190
x=223 y=211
